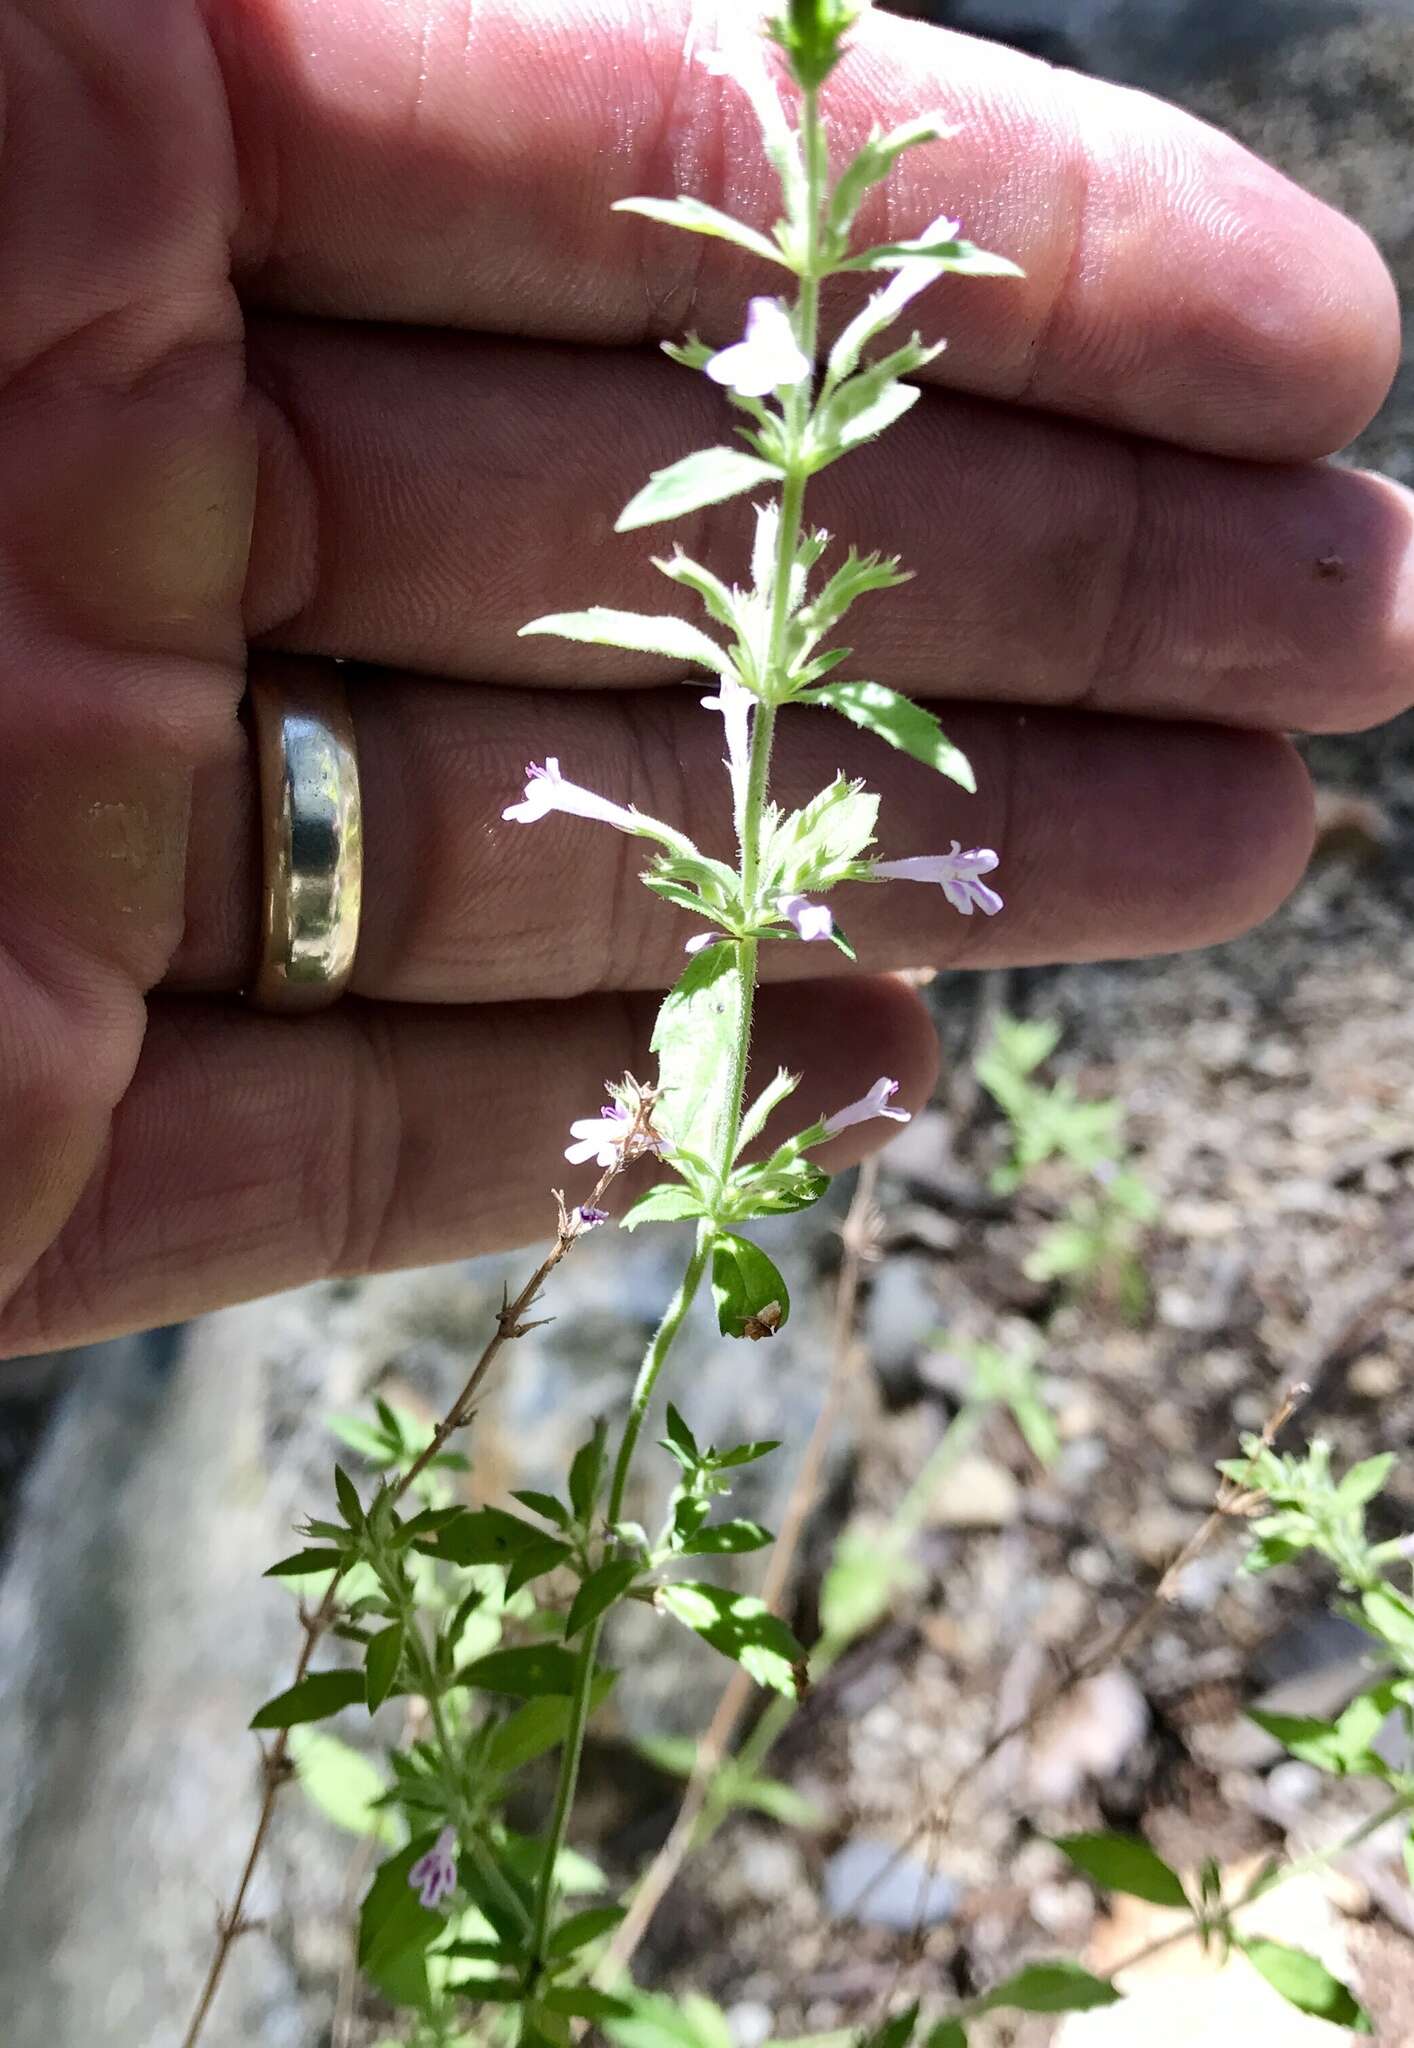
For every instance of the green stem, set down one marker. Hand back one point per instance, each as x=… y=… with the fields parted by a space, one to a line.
x=572 y=1749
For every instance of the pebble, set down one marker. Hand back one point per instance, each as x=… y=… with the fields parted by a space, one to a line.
x=1090 y=1735
x=977 y=1494
x=872 y=1882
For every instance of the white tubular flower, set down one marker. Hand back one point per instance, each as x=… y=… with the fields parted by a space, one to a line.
x=957 y=874
x=811 y=920
x=606 y=1138
x=735 y=702
x=546 y=790
x=875 y=1103
x=434 y=1876
x=767 y=357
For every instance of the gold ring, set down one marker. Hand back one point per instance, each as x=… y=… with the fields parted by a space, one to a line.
x=311 y=840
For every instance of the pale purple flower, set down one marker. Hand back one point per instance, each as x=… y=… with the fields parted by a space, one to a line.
x=434 y=1876
x=875 y=1103
x=603 y=1138
x=958 y=874
x=590 y=1218
x=811 y=920
x=735 y=702
x=767 y=356
x=702 y=940
x=546 y=790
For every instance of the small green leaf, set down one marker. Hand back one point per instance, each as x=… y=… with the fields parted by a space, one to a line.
x=583 y=2002
x=962 y=259
x=538 y=1727
x=307 y=1562
x=599 y=1592
x=699 y=219
x=532 y=1561
x=1051 y=1987
x=694 y=1038
x=395 y=1928
x=587 y=1474
x=893 y=2033
x=544 y=1504
x=882 y=412
x=904 y=724
x=1306 y=1983
x=727 y=1539
x=349 y=1505
x=670 y=1202
x=680 y=1436
x=872 y=165
x=482 y=1536
x=316 y=1697
x=1340 y=1746
x=1391 y=1617
x=707 y=478
x=380 y=1665
x=529 y=1673
x=1124 y=1863
x=581 y=1928
x=743 y=1628
x=744 y=1454
x=752 y=1299
x=770 y=1099
x=641 y=633
x=947 y=2034
x=343 y=1784
x=812 y=848
x=1363 y=1481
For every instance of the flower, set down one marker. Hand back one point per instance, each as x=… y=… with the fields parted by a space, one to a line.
x=958 y=874
x=766 y=357
x=735 y=702
x=434 y=1876
x=589 y=1218
x=875 y=1103
x=700 y=941
x=811 y=920
x=604 y=1138
x=546 y=790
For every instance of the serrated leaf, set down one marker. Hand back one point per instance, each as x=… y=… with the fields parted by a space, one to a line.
x=380 y=1665
x=343 y=1784
x=532 y=1672
x=727 y=1539
x=671 y=1202
x=905 y=725
x=695 y=1038
x=707 y=478
x=1306 y=1983
x=743 y=1628
x=641 y=633
x=752 y=1299
x=315 y=1698
x=1051 y=1987
x=698 y=219
x=305 y=1563
x=1125 y=1863
x=598 y=1593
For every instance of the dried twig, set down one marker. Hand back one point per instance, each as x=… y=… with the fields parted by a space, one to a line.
x=861 y=1234
x=277 y=1767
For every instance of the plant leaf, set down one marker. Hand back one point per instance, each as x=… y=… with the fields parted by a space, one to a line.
x=343 y=1784
x=528 y=1673
x=598 y=1593
x=905 y=725
x=1125 y=1863
x=1051 y=1987
x=587 y=1473
x=582 y=1928
x=350 y=1506
x=315 y=1698
x=699 y=219
x=695 y=1037
x=893 y=2033
x=544 y=1504
x=642 y=634
x=538 y=1726
x=707 y=478
x=963 y=259
x=727 y=1539
x=670 y=1202
x=380 y=1664
x=771 y=1097
x=743 y=1628
x=307 y=1562
x=746 y=1288
x=583 y=2002
x=1305 y=1983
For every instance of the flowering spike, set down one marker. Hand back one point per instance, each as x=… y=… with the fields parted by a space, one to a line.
x=875 y=1103
x=958 y=874
x=766 y=358
x=434 y=1876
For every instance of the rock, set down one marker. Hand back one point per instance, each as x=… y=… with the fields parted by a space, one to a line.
x=1090 y=1734
x=877 y=1885
x=978 y=1493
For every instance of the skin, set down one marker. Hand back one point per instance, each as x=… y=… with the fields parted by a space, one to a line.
x=319 y=338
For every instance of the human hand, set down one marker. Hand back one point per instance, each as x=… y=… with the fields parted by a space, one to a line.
x=408 y=428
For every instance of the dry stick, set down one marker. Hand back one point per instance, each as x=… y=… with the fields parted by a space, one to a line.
x=1233 y=1500
x=860 y=1234
x=276 y=1767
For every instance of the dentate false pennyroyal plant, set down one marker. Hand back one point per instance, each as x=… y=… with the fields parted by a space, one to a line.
x=466 y=1916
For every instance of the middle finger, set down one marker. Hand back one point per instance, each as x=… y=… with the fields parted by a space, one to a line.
x=423 y=495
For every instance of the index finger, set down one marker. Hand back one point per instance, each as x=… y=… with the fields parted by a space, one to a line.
x=454 y=162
